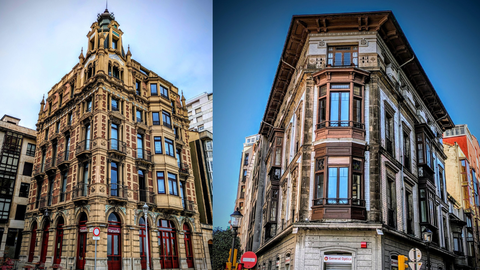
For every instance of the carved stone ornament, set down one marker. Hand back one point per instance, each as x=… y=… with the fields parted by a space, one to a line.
x=363 y=42
x=92 y=189
x=102 y=189
x=321 y=43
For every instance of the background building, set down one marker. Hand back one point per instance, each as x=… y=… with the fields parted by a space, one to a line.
x=16 y=165
x=113 y=137
x=200 y=112
x=352 y=148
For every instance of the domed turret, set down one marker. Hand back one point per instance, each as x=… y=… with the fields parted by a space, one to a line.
x=104 y=19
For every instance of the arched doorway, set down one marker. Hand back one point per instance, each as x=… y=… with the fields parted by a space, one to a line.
x=43 y=254
x=33 y=240
x=187 y=236
x=59 y=242
x=143 y=253
x=167 y=240
x=82 y=241
x=114 y=248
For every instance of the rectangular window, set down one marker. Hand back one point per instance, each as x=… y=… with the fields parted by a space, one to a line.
x=337 y=192
x=245 y=160
x=155 y=118
x=137 y=87
x=27 y=168
x=24 y=189
x=391 y=203
x=357 y=112
x=179 y=158
x=406 y=151
x=89 y=105
x=441 y=188
x=158 y=145
x=46 y=133
x=356 y=189
x=20 y=213
x=114 y=105
x=322 y=114
x=166 y=119
x=410 y=213
x=169 y=147
x=161 y=182
x=172 y=184
x=342 y=56
x=153 y=89
x=318 y=189
x=164 y=91
x=57 y=127
x=31 y=150
x=64 y=186
x=339 y=109
x=423 y=206
x=139 y=116
x=389 y=138
x=69 y=121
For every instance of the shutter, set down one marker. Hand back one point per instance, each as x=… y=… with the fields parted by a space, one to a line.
x=338 y=266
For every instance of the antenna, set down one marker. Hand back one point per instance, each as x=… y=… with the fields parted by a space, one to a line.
x=106 y=4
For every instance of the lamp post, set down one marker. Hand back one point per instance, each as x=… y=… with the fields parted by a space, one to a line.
x=145 y=211
x=236 y=217
x=427 y=238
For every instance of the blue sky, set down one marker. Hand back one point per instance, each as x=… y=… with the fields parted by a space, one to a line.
x=249 y=37
x=41 y=42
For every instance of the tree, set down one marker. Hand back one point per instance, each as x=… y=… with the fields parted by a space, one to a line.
x=222 y=243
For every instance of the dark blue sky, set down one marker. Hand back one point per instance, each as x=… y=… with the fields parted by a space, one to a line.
x=248 y=39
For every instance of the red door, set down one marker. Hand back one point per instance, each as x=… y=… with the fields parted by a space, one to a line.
x=33 y=240
x=82 y=243
x=43 y=254
x=114 y=248
x=59 y=242
x=143 y=253
x=187 y=236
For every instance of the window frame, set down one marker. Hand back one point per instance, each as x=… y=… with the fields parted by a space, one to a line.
x=163 y=91
x=169 y=147
x=155 y=122
x=172 y=184
x=161 y=182
x=332 y=55
x=166 y=119
x=157 y=141
x=153 y=89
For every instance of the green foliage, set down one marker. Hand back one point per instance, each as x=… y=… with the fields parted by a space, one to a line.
x=222 y=243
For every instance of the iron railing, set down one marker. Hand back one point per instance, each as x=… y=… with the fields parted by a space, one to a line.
x=83 y=146
x=80 y=190
x=183 y=168
x=117 y=145
x=62 y=157
x=144 y=154
x=146 y=196
x=336 y=124
x=48 y=164
x=116 y=190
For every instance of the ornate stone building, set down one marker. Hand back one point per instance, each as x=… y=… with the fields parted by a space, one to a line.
x=350 y=165
x=112 y=136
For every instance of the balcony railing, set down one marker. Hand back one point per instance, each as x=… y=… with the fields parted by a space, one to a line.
x=83 y=146
x=335 y=124
x=139 y=120
x=62 y=157
x=183 y=168
x=48 y=164
x=167 y=124
x=188 y=206
x=146 y=196
x=115 y=108
x=116 y=190
x=339 y=201
x=117 y=145
x=80 y=191
x=144 y=154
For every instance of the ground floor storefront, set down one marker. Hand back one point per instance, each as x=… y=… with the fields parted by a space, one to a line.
x=64 y=239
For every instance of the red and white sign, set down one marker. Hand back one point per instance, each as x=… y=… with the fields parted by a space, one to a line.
x=337 y=259
x=287 y=260
x=83 y=229
x=96 y=231
x=113 y=230
x=249 y=259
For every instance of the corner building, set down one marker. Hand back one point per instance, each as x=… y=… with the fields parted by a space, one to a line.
x=112 y=136
x=352 y=149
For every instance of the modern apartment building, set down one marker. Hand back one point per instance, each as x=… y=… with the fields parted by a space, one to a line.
x=16 y=165
x=350 y=168
x=112 y=139
x=200 y=112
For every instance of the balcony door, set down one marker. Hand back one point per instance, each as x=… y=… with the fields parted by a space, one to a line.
x=139 y=146
x=114 y=179
x=142 y=185
x=87 y=137
x=114 y=136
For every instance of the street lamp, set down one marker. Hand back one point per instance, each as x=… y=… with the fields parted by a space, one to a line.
x=427 y=238
x=236 y=217
x=145 y=211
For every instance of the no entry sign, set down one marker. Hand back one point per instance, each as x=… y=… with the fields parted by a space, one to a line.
x=96 y=231
x=249 y=259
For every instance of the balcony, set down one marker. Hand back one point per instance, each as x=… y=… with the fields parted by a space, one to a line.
x=117 y=193
x=50 y=166
x=143 y=158
x=38 y=172
x=339 y=208
x=117 y=146
x=189 y=206
x=340 y=129
x=83 y=148
x=63 y=160
x=145 y=196
x=183 y=169
x=80 y=193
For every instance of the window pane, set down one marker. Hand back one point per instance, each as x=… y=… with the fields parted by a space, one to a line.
x=332 y=183
x=338 y=59
x=319 y=186
x=343 y=186
x=345 y=108
x=334 y=105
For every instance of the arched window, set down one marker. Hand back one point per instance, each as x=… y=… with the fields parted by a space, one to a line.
x=187 y=235
x=33 y=240
x=114 y=248
x=59 y=242
x=167 y=241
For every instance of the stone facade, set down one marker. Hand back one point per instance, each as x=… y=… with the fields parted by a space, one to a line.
x=350 y=151
x=112 y=138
